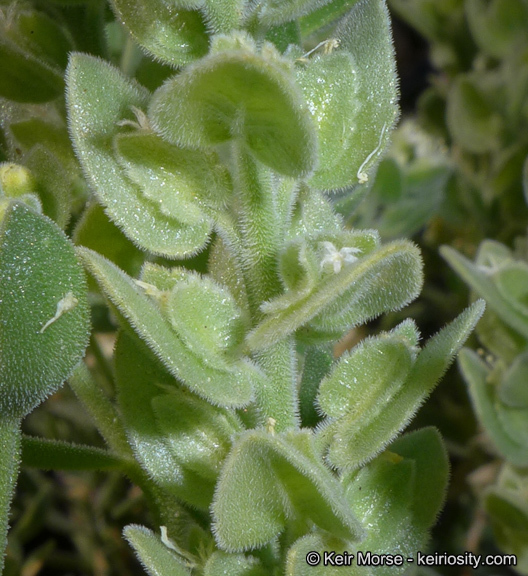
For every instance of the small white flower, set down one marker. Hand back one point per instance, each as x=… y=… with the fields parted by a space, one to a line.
x=336 y=258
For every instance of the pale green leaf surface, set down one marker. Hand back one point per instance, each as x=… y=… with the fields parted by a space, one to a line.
x=355 y=142
x=386 y=279
x=230 y=387
x=266 y=480
x=198 y=434
x=512 y=282
x=99 y=97
x=222 y=16
x=369 y=375
x=157 y=558
x=483 y=284
x=223 y=564
x=381 y=497
x=238 y=94
x=513 y=390
x=356 y=441
x=207 y=319
x=296 y=564
x=44 y=311
x=475 y=373
x=471 y=119
x=184 y=183
x=171 y=34
x=138 y=379
x=426 y=448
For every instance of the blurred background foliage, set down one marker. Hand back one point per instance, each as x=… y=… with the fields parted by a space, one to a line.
x=456 y=176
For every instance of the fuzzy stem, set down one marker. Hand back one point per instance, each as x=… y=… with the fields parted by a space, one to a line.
x=9 y=463
x=260 y=230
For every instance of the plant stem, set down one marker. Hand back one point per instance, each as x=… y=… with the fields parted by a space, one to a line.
x=102 y=411
x=260 y=228
x=10 y=450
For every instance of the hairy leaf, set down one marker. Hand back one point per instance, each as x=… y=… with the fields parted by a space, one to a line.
x=44 y=311
x=156 y=557
x=99 y=98
x=238 y=94
x=229 y=387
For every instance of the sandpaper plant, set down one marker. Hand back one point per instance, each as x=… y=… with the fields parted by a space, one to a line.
x=251 y=442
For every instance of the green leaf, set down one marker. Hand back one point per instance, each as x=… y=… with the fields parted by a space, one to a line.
x=385 y=279
x=512 y=282
x=475 y=373
x=354 y=109
x=94 y=230
x=44 y=312
x=471 y=118
x=326 y=14
x=184 y=183
x=52 y=184
x=25 y=78
x=426 y=448
x=57 y=455
x=99 y=99
x=220 y=563
x=171 y=34
x=296 y=564
x=267 y=480
x=274 y=12
x=354 y=441
x=207 y=319
x=155 y=556
x=368 y=376
x=497 y=26
x=198 y=434
x=513 y=390
x=229 y=387
x=139 y=380
x=481 y=281
x=222 y=16
x=237 y=93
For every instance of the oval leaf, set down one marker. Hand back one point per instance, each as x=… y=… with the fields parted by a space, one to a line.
x=44 y=311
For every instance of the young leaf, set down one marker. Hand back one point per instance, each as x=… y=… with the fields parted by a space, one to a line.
x=99 y=98
x=426 y=448
x=229 y=387
x=475 y=373
x=386 y=279
x=355 y=441
x=184 y=183
x=139 y=378
x=238 y=94
x=44 y=312
x=220 y=564
x=207 y=319
x=368 y=376
x=483 y=284
x=198 y=434
x=155 y=556
x=354 y=126
x=171 y=34
x=266 y=480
